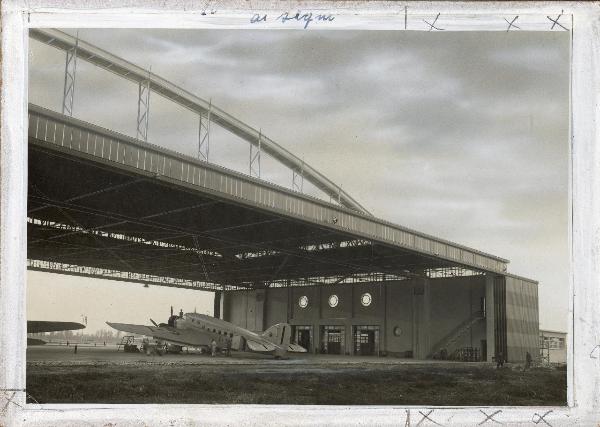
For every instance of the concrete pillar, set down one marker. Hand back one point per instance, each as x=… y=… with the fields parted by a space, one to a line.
x=490 y=324
x=426 y=319
x=218 y=305
x=422 y=318
x=288 y=302
x=383 y=331
x=349 y=340
x=415 y=318
x=222 y=304
x=259 y=310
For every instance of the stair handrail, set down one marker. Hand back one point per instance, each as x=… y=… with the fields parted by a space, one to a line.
x=447 y=339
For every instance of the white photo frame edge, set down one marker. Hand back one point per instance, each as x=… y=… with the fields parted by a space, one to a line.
x=584 y=329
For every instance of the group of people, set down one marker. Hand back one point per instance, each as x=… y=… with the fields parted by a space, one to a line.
x=227 y=348
x=500 y=360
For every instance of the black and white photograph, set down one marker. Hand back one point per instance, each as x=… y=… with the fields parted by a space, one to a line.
x=344 y=217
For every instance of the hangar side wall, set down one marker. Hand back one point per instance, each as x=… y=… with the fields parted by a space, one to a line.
x=456 y=301
x=413 y=316
x=522 y=319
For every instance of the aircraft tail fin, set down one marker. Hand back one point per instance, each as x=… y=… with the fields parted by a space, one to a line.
x=278 y=334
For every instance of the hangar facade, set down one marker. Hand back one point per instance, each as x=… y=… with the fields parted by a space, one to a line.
x=466 y=318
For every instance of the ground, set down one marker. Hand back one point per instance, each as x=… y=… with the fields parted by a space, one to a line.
x=101 y=375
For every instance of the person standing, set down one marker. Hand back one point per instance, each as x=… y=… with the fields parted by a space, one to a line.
x=228 y=346
x=527 y=360
x=499 y=360
x=213 y=348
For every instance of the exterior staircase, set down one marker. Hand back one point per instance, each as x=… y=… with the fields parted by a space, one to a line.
x=449 y=341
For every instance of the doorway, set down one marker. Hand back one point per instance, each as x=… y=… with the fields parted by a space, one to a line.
x=366 y=340
x=303 y=337
x=333 y=339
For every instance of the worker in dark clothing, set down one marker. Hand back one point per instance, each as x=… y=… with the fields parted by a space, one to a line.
x=499 y=360
x=75 y=351
x=228 y=346
x=527 y=360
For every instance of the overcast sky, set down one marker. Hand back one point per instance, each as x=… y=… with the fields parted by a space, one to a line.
x=463 y=135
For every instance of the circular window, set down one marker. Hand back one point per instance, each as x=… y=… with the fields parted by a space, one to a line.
x=303 y=301
x=366 y=299
x=333 y=300
x=397 y=331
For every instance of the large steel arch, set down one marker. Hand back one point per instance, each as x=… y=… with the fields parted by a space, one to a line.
x=180 y=96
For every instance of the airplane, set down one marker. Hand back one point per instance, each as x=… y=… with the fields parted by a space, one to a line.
x=198 y=330
x=36 y=326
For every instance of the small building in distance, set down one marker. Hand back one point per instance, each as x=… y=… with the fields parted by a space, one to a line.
x=553 y=347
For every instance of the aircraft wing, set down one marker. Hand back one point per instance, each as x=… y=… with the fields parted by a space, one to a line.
x=165 y=333
x=34 y=326
x=260 y=346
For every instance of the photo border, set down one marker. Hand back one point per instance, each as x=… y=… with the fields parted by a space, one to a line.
x=583 y=349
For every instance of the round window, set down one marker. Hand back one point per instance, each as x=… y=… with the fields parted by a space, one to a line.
x=397 y=331
x=366 y=299
x=333 y=300
x=303 y=301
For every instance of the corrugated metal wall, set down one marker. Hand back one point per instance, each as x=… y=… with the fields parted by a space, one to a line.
x=522 y=318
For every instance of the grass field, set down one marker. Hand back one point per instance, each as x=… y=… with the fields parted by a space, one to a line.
x=312 y=384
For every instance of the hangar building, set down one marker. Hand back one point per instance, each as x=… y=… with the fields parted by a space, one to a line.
x=349 y=283
x=102 y=204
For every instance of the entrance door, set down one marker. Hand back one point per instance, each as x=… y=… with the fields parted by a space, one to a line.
x=334 y=342
x=303 y=337
x=366 y=340
x=333 y=339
